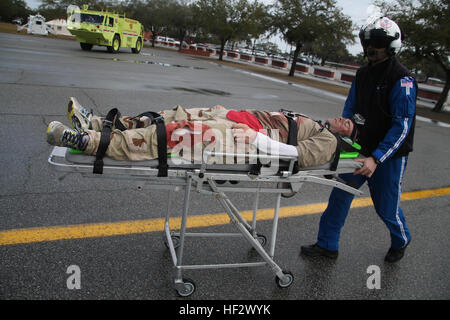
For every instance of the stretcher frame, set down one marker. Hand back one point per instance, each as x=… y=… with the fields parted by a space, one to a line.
x=204 y=178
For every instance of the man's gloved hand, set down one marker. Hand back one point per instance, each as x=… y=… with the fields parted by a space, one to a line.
x=368 y=168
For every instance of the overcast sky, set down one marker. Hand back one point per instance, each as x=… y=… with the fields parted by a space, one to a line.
x=356 y=10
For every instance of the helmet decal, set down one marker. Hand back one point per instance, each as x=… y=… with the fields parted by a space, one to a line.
x=385 y=23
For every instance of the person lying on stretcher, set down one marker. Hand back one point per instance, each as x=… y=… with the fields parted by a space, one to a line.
x=190 y=131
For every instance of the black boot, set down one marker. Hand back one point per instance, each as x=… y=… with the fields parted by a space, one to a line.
x=315 y=250
x=395 y=255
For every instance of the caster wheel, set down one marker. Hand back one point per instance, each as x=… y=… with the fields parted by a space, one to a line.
x=261 y=239
x=186 y=288
x=284 y=283
x=175 y=240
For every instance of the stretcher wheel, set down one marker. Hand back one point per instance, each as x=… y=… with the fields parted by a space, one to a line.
x=261 y=239
x=188 y=289
x=284 y=283
x=175 y=240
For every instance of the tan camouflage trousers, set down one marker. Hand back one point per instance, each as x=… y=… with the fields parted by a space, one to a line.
x=138 y=144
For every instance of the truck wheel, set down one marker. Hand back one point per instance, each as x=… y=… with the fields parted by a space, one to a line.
x=138 y=46
x=115 y=45
x=86 y=46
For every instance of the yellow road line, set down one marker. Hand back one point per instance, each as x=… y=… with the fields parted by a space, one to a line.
x=94 y=230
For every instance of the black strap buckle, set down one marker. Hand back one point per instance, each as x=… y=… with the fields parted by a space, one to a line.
x=107 y=124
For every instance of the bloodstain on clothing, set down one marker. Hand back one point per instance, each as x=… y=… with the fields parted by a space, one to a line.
x=138 y=142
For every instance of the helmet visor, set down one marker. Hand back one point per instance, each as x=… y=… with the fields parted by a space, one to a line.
x=376 y=38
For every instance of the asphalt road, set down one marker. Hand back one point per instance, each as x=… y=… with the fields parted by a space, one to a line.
x=37 y=77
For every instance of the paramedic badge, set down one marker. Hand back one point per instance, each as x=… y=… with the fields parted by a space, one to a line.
x=406 y=83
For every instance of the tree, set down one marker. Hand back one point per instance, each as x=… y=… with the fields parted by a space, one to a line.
x=217 y=17
x=426 y=29
x=181 y=20
x=258 y=22
x=307 y=21
x=330 y=51
x=332 y=46
x=228 y=19
x=11 y=9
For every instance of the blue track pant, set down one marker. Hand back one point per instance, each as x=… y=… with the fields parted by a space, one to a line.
x=385 y=190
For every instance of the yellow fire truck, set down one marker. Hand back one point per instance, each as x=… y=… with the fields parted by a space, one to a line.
x=103 y=28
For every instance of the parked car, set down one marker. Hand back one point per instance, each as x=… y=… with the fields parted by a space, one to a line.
x=202 y=46
x=304 y=60
x=166 y=40
x=277 y=57
x=17 y=21
x=245 y=51
x=260 y=54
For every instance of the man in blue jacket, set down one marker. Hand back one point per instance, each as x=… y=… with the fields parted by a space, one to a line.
x=382 y=103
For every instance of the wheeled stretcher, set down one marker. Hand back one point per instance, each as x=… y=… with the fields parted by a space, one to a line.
x=276 y=176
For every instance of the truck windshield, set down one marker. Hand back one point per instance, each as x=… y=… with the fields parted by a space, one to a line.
x=91 y=18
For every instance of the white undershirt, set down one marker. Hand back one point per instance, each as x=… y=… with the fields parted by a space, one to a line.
x=270 y=146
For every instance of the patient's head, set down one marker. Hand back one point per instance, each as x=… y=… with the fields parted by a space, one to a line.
x=341 y=126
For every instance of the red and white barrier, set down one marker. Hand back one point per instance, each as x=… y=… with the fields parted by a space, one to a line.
x=246 y=57
x=261 y=60
x=279 y=64
x=324 y=73
x=429 y=93
x=347 y=77
x=301 y=68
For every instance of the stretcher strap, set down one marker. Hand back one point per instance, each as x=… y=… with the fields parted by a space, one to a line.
x=158 y=120
x=162 y=147
x=113 y=118
x=105 y=138
x=292 y=139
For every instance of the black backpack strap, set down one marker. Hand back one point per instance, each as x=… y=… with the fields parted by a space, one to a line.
x=105 y=139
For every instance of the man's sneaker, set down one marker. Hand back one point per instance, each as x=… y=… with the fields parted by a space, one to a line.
x=63 y=136
x=78 y=116
x=315 y=250
x=395 y=255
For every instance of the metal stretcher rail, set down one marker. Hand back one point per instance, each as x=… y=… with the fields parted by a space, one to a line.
x=206 y=178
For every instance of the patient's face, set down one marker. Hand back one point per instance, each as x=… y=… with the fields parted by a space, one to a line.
x=341 y=125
